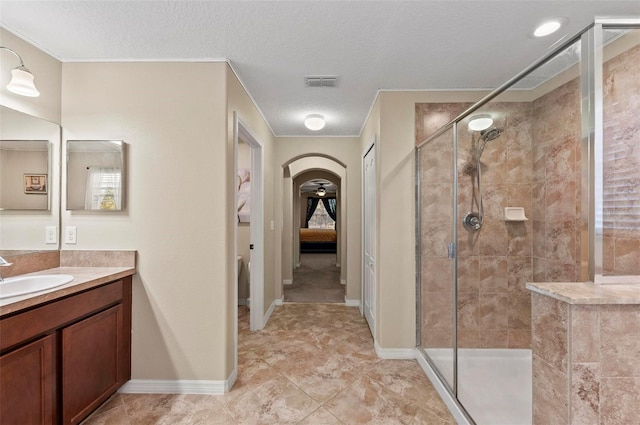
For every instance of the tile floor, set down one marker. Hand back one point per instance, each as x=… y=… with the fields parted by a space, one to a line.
x=312 y=364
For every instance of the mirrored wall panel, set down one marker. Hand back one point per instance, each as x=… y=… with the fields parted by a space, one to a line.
x=95 y=175
x=29 y=183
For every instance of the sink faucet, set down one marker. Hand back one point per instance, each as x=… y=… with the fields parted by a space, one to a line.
x=3 y=263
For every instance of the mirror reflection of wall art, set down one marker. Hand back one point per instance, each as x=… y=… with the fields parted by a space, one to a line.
x=35 y=184
x=244 y=195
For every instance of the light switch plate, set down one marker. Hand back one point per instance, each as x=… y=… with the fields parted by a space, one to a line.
x=70 y=234
x=51 y=234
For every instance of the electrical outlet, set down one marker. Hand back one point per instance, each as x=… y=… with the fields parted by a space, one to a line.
x=70 y=234
x=51 y=234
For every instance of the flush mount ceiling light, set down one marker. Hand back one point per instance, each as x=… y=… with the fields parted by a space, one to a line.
x=321 y=190
x=549 y=27
x=480 y=122
x=314 y=122
x=21 y=79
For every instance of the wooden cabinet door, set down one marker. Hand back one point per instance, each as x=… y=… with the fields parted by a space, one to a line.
x=27 y=384
x=91 y=369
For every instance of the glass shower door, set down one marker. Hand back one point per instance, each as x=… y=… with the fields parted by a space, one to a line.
x=436 y=232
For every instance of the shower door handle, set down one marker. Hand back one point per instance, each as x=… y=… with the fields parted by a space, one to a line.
x=451 y=250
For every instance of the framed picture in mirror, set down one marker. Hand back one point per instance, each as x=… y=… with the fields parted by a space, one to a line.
x=35 y=184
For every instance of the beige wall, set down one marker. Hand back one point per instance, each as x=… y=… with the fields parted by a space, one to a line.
x=347 y=151
x=173 y=118
x=238 y=101
x=46 y=70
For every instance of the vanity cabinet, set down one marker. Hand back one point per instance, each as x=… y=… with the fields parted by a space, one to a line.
x=60 y=360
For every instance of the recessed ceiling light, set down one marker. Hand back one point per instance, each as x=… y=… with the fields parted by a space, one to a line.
x=480 y=122
x=549 y=27
x=314 y=122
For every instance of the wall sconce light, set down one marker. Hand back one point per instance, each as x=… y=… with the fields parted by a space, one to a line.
x=314 y=122
x=321 y=190
x=21 y=79
x=480 y=122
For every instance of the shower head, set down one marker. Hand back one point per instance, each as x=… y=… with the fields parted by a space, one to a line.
x=486 y=136
x=490 y=134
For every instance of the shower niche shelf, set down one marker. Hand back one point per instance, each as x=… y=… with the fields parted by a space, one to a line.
x=514 y=214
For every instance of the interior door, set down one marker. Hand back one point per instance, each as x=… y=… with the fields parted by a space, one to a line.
x=369 y=233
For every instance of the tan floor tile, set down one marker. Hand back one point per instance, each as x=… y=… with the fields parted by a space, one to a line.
x=321 y=417
x=276 y=401
x=307 y=355
x=367 y=402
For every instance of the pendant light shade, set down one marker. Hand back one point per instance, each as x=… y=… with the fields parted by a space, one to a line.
x=22 y=82
x=321 y=191
x=21 y=79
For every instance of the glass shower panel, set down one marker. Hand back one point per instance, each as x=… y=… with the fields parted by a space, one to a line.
x=620 y=202
x=518 y=219
x=437 y=332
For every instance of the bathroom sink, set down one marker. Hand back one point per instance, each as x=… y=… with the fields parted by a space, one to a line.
x=21 y=285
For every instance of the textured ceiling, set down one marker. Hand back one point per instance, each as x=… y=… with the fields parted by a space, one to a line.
x=272 y=45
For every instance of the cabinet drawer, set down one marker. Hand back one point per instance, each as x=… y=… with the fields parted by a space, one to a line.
x=27 y=325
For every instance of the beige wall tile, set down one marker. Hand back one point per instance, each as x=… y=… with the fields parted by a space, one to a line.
x=585 y=393
x=550 y=394
x=549 y=330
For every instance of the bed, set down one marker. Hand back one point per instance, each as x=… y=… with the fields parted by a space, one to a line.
x=317 y=241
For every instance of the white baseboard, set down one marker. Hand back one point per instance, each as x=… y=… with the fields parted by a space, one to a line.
x=265 y=319
x=287 y=281
x=243 y=301
x=451 y=404
x=394 y=353
x=178 y=386
x=343 y=281
x=279 y=301
x=351 y=303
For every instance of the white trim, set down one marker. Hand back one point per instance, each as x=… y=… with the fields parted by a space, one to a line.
x=394 y=353
x=243 y=301
x=287 y=281
x=351 y=303
x=453 y=407
x=267 y=315
x=343 y=281
x=279 y=301
x=180 y=386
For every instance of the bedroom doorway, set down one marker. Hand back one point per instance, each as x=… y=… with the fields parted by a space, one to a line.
x=316 y=279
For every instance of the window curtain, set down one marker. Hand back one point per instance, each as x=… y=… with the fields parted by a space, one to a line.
x=312 y=204
x=103 y=189
x=330 y=206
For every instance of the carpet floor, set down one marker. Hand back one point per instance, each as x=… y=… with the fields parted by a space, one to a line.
x=317 y=280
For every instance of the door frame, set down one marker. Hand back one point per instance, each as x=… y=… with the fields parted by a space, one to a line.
x=241 y=131
x=368 y=149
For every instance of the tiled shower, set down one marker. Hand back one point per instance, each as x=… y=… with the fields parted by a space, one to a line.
x=568 y=155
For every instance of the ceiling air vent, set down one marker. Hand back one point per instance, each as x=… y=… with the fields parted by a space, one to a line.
x=321 y=80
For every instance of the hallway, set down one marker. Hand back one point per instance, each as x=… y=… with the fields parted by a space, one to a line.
x=317 y=280
x=311 y=365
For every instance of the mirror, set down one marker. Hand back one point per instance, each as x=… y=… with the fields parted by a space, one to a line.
x=95 y=175
x=29 y=182
x=24 y=173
